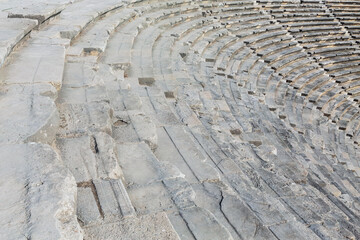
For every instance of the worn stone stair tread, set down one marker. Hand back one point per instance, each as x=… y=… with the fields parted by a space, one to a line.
x=149 y=227
x=39 y=194
x=184 y=119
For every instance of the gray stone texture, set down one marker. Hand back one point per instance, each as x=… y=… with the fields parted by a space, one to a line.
x=179 y=119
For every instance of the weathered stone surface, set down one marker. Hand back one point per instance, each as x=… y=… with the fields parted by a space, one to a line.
x=82 y=95
x=33 y=115
x=90 y=157
x=12 y=31
x=234 y=119
x=78 y=119
x=114 y=199
x=180 y=226
x=38 y=194
x=149 y=227
x=243 y=219
x=87 y=211
x=141 y=167
x=203 y=224
x=35 y=64
x=79 y=74
x=191 y=154
x=145 y=128
x=181 y=192
x=81 y=162
x=40 y=10
x=151 y=198
x=168 y=152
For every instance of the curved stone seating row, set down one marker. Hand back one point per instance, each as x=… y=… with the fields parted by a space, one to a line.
x=216 y=120
x=30 y=84
x=347 y=12
x=13 y=31
x=18 y=19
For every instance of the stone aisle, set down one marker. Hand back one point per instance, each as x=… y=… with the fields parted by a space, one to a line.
x=180 y=120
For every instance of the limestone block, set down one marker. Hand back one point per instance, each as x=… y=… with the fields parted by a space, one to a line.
x=180 y=226
x=40 y=11
x=90 y=157
x=181 y=192
x=104 y=147
x=138 y=163
x=28 y=113
x=243 y=219
x=82 y=95
x=114 y=200
x=11 y=32
x=148 y=227
x=38 y=194
x=80 y=74
x=79 y=119
x=35 y=64
x=151 y=198
x=204 y=225
x=78 y=157
x=87 y=208
x=191 y=154
x=145 y=128
x=167 y=152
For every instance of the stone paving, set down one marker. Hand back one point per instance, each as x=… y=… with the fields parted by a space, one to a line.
x=179 y=119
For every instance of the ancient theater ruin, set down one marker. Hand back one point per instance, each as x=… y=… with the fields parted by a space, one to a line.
x=179 y=119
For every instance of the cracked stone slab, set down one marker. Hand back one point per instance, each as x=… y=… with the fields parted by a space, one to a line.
x=35 y=64
x=191 y=154
x=180 y=226
x=87 y=208
x=181 y=192
x=90 y=157
x=168 y=152
x=79 y=119
x=145 y=128
x=243 y=219
x=33 y=115
x=80 y=74
x=39 y=10
x=204 y=225
x=82 y=95
x=11 y=32
x=38 y=194
x=151 y=198
x=141 y=167
x=148 y=227
x=114 y=199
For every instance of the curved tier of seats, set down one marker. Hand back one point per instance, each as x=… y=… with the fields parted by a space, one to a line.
x=197 y=119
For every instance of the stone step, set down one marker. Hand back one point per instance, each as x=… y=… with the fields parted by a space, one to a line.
x=90 y=157
x=39 y=194
x=14 y=31
x=35 y=64
x=39 y=10
x=152 y=226
x=33 y=116
x=79 y=119
x=94 y=39
x=193 y=157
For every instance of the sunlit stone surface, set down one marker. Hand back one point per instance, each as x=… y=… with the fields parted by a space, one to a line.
x=179 y=119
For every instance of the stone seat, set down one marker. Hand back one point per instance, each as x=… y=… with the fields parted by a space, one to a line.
x=13 y=31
